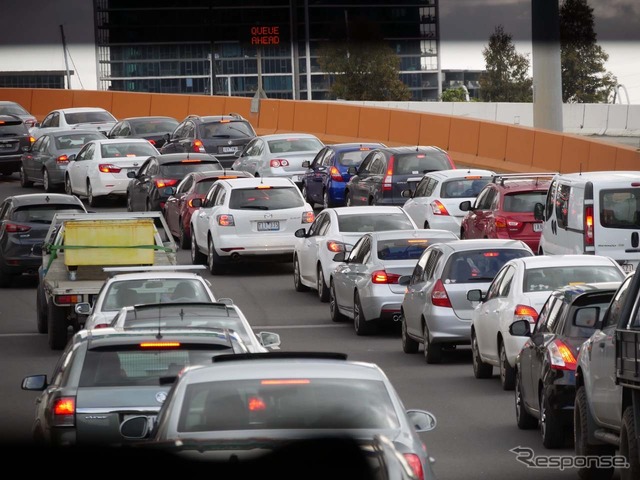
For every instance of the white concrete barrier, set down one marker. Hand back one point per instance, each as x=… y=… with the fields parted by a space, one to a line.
x=573 y=117
x=617 y=120
x=595 y=119
x=515 y=114
x=633 y=121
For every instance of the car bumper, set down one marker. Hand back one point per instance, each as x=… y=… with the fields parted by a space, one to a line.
x=294 y=175
x=110 y=186
x=17 y=259
x=336 y=192
x=380 y=303
x=446 y=327
x=449 y=223
x=255 y=245
x=56 y=176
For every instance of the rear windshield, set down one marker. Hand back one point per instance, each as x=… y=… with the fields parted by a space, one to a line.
x=294 y=145
x=75 y=140
x=420 y=163
x=463 y=187
x=619 y=208
x=226 y=130
x=291 y=403
x=179 y=169
x=204 y=186
x=405 y=248
x=126 y=293
x=523 y=202
x=374 y=222
x=478 y=265
x=88 y=117
x=43 y=213
x=12 y=110
x=552 y=278
x=12 y=127
x=352 y=159
x=128 y=149
x=147 y=127
x=273 y=198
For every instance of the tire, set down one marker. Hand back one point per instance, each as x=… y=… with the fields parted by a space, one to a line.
x=581 y=440
x=67 y=185
x=409 y=345
x=524 y=419
x=46 y=181
x=348 y=201
x=461 y=234
x=93 y=201
x=297 y=281
x=197 y=257
x=214 y=262
x=629 y=446
x=147 y=206
x=326 y=200
x=507 y=372
x=24 y=181
x=480 y=369
x=129 y=205
x=432 y=351
x=323 y=288
x=305 y=194
x=372 y=202
x=336 y=316
x=41 y=310
x=184 y=242
x=360 y=324
x=551 y=425
x=58 y=327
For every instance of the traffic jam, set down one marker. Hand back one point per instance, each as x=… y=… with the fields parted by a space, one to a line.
x=198 y=287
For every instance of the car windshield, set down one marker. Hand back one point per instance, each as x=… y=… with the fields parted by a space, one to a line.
x=88 y=117
x=551 y=278
x=523 y=202
x=294 y=144
x=265 y=198
x=75 y=141
x=146 y=127
x=404 y=248
x=126 y=293
x=374 y=222
x=227 y=129
x=463 y=187
x=619 y=208
x=352 y=159
x=43 y=213
x=12 y=110
x=287 y=403
x=478 y=265
x=418 y=163
x=127 y=149
x=180 y=169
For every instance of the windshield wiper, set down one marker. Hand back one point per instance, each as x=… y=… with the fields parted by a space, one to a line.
x=238 y=130
x=220 y=136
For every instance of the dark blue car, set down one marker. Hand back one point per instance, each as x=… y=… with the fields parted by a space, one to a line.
x=327 y=175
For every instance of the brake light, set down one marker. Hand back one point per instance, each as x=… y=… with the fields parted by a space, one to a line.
x=190 y=202
x=287 y=381
x=380 y=276
x=335 y=247
x=525 y=312
x=160 y=345
x=32 y=139
x=453 y=167
x=439 y=296
x=165 y=182
x=335 y=174
x=225 y=220
x=101 y=325
x=308 y=217
x=62 y=159
x=67 y=299
x=191 y=160
x=438 y=208
x=198 y=146
x=256 y=403
x=511 y=225
x=109 y=168
x=588 y=226
x=64 y=411
x=386 y=182
x=152 y=142
x=16 y=228
x=415 y=464
x=561 y=356
x=491 y=254
x=263 y=187
x=278 y=162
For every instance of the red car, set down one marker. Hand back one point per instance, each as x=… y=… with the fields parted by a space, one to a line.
x=504 y=209
x=178 y=208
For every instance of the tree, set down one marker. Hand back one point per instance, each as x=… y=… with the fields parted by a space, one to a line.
x=458 y=94
x=506 y=78
x=584 y=77
x=362 y=66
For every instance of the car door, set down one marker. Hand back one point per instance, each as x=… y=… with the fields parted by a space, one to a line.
x=77 y=168
x=357 y=185
x=316 y=175
x=342 y=279
x=419 y=289
x=200 y=220
x=34 y=157
x=418 y=203
x=174 y=203
x=308 y=255
x=250 y=158
x=486 y=320
x=138 y=185
x=187 y=136
x=172 y=145
x=50 y=123
x=481 y=214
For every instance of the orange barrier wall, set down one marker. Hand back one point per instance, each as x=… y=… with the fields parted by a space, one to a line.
x=483 y=144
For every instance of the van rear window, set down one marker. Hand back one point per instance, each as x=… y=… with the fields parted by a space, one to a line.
x=619 y=208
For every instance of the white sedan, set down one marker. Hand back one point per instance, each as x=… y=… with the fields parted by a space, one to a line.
x=337 y=230
x=84 y=118
x=100 y=168
x=518 y=292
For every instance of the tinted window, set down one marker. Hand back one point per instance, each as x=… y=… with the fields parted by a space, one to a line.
x=145 y=127
x=132 y=149
x=552 y=278
x=374 y=222
x=126 y=293
x=619 y=208
x=419 y=163
x=88 y=117
x=13 y=127
x=43 y=213
x=352 y=159
x=294 y=145
x=274 y=198
x=523 y=202
x=13 y=109
x=463 y=188
x=402 y=249
x=226 y=130
x=75 y=140
x=478 y=265
x=180 y=169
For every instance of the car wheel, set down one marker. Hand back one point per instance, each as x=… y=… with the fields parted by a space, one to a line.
x=323 y=289
x=93 y=201
x=462 y=237
x=629 y=446
x=348 y=199
x=507 y=372
x=336 y=316
x=297 y=281
x=432 y=351
x=147 y=205
x=214 y=262
x=326 y=200
x=372 y=201
x=409 y=345
x=305 y=194
x=46 y=181
x=581 y=441
x=360 y=323
x=58 y=327
x=24 y=180
x=197 y=257
x=480 y=369
x=184 y=241
x=67 y=185
x=41 y=310
x=524 y=419
x=129 y=204
x=551 y=425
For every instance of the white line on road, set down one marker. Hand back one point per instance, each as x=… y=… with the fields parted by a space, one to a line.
x=20 y=334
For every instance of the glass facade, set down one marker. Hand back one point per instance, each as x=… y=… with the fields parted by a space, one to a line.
x=165 y=46
x=33 y=79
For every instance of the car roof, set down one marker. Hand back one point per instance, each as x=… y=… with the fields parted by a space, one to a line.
x=484 y=243
x=339 y=147
x=217 y=118
x=459 y=173
x=571 y=293
x=110 y=337
x=177 y=157
x=41 y=199
x=149 y=117
x=200 y=175
x=564 y=260
x=74 y=131
x=617 y=175
x=360 y=209
x=80 y=109
x=412 y=149
x=284 y=136
x=107 y=141
x=254 y=182
x=419 y=233
x=154 y=275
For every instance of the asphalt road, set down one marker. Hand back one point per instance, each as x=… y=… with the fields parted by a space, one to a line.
x=476 y=419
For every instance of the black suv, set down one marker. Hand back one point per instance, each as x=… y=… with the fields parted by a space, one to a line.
x=14 y=136
x=220 y=135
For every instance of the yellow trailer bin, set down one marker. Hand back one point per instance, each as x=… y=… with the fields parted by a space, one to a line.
x=113 y=239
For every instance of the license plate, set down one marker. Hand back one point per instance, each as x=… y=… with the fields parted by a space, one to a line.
x=229 y=149
x=537 y=227
x=5 y=145
x=268 y=226
x=628 y=267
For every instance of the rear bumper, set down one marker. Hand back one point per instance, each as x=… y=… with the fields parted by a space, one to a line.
x=446 y=327
x=380 y=303
x=255 y=245
x=111 y=186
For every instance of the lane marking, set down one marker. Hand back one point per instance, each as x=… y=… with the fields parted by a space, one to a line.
x=21 y=334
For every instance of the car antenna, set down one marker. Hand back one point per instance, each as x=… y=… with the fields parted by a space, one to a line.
x=580 y=169
x=159 y=334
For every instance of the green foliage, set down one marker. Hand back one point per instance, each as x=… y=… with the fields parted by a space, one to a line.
x=457 y=94
x=584 y=76
x=506 y=78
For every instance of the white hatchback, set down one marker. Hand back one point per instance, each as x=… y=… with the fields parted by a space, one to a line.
x=100 y=168
x=518 y=292
x=247 y=219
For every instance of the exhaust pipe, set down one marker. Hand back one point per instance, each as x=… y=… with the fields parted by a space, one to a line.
x=235 y=256
x=397 y=317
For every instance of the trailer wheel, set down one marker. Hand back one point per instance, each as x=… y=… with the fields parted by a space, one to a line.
x=629 y=446
x=58 y=327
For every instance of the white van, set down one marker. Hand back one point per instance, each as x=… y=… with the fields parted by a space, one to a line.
x=594 y=213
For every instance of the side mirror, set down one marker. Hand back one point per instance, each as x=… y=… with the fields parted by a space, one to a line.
x=36 y=250
x=35 y=383
x=37 y=125
x=352 y=171
x=475 y=295
x=301 y=233
x=306 y=164
x=538 y=211
x=340 y=257
x=170 y=190
x=587 y=317
x=132 y=174
x=196 y=202
x=135 y=428
x=71 y=157
x=408 y=193
x=404 y=280
x=465 y=206
x=83 y=308
x=520 y=328
x=421 y=420
x=237 y=153
x=269 y=340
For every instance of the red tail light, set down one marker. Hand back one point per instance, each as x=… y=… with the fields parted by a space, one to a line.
x=101 y=325
x=525 y=312
x=62 y=159
x=386 y=182
x=256 y=403
x=380 y=276
x=160 y=345
x=152 y=142
x=335 y=174
x=560 y=356
x=439 y=296
x=438 y=208
x=588 y=226
x=509 y=224
x=278 y=162
x=415 y=464
x=226 y=220
x=165 y=182
x=308 y=217
x=109 y=168
x=16 y=228
x=64 y=412
x=198 y=146
x=67 y=299
x=335 y=247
